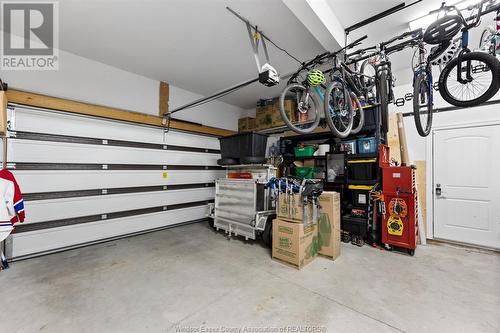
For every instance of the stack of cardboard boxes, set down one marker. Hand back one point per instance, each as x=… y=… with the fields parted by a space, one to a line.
x=267 y=115
x=246 y=124
x=296 y=243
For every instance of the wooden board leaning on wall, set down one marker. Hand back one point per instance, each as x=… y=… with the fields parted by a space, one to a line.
x=60 y=104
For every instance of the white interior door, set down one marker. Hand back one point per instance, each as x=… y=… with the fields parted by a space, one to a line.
x=466 y=170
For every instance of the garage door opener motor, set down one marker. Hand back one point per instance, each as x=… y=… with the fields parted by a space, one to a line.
x=268 y=75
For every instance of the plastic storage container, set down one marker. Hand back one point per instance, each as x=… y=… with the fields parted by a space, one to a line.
x=359 y=196
x=243 y=145
x=306 y=151
x=348 y=147
x=305 y=172
x=367 y=145
x=355 y=225
x=335 y=167
x=362 y=170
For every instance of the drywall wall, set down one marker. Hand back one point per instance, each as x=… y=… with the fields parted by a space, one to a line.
x=90 y=81
x=417 y=144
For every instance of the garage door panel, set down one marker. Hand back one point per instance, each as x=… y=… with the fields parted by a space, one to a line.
x=32 y=181
x=57 y=152
x=47 y=210
x=37 y=121
x=50 y=239
x=128 y=185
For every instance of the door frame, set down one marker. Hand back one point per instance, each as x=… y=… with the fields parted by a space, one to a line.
x=429 y=157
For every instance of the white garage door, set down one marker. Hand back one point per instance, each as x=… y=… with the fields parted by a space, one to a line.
x=89 y=179
x=467 y=185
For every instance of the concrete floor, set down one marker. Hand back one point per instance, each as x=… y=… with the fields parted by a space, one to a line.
x=191 y=276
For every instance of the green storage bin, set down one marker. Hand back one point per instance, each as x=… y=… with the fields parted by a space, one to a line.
x=306 y=151
x=305 y=172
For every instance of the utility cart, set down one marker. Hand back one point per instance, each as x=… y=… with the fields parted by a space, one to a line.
x=243 y=205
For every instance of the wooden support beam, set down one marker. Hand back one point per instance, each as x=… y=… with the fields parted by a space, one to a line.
x=60 y=104
x=405 y=159
x=164 y=98
x=420 y=176
x=393 y=137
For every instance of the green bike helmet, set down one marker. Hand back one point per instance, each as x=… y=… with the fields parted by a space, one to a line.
x=315 y=77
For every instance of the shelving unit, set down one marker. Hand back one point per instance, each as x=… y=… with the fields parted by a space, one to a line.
x=347 y=186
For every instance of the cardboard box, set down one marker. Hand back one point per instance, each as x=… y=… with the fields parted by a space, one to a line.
x=289 y=109
x=329 y=225
x=291 y=208
x=269 y=116
x=293 y=244
x=264 y=117
x=246 y=124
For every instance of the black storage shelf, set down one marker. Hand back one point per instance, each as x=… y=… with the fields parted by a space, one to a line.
x=310 y=158
x=360 y=156
x=362 y=182
x=364 y=227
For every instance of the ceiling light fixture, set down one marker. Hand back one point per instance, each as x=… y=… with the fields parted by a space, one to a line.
x=425 y=21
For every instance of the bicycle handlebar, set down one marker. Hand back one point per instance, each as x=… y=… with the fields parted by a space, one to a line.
x=361 y=51
x=319 y=59
x=489 y=9
x=355 y=43
x=416 y=34
x=474 y=18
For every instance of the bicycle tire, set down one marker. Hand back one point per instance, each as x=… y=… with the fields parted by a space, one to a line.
x=338 y=133
x=417 y=89
x=284 y=116
x=383 y=91
x=493 y=65
x=267 y=234
x=361 y=115
x=362 y=69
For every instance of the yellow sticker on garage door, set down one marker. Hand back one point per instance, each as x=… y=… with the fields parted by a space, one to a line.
x=165 y=175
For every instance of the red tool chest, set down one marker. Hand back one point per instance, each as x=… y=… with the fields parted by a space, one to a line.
x=399 y=222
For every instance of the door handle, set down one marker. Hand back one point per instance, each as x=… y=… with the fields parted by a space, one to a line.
x=438 y=189
x=439 y=192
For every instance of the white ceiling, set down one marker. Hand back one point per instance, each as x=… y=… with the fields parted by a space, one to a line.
x=199 y=46
x=193 y=44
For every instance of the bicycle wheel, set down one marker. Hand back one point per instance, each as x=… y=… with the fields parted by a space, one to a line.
x=422 y=104
x=383 y=96
x=483 y=84
x=307 y=109
x=368 y=71
x=359 y=114
x=338 y=109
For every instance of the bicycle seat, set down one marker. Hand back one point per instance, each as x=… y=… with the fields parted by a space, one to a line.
x=443 y=29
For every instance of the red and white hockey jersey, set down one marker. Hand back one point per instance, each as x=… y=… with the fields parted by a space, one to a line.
x=12 y=205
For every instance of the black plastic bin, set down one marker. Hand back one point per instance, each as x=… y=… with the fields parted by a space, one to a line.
x=243 y=145
x=355 y=225
x=359 y=198
x=367 y=171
